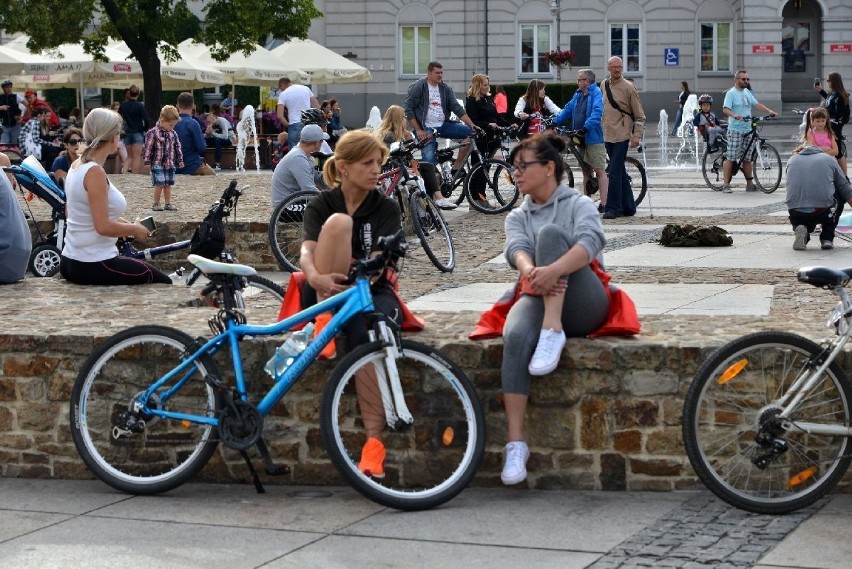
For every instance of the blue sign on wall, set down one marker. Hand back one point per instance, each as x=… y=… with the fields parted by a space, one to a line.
x=672 y=56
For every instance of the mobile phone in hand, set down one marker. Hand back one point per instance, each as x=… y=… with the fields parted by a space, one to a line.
x=149 y=224
x=817 y=81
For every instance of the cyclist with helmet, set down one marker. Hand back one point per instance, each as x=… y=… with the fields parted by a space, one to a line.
x=707 y=122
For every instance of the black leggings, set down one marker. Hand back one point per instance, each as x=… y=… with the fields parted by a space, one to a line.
x=116 y=271
x=356 y=331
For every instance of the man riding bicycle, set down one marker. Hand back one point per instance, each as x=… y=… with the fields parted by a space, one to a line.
x=427 y=108
x=586 y=110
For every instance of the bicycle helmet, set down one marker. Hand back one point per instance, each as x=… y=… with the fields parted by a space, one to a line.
x=6 y=83
x=313 y=116
x=705 y=98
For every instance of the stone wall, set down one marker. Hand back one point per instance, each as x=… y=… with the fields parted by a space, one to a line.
x=608 y=419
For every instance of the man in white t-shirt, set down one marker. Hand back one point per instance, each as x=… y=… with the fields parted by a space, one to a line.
x=295 y=98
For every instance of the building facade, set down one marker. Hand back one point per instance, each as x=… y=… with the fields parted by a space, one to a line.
x=784 y=45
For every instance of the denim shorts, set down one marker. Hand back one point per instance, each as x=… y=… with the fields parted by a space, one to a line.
x=133 y=138
x=162 y=176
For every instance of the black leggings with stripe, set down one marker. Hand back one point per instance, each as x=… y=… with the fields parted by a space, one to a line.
x=116 y=271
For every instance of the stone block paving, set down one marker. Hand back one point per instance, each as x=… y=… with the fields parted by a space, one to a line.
x=705 y=532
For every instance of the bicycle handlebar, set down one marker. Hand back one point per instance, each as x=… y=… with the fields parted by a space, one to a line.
x=393 y=248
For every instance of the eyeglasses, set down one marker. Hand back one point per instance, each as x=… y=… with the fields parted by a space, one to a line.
x=74 y=141
x=744 y=79
x=523 y=164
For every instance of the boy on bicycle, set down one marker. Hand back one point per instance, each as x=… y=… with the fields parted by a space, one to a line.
x=707 y=123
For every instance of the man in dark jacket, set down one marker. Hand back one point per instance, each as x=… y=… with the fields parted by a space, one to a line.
x=427 y=108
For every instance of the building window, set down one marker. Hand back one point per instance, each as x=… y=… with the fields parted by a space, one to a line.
x=624 y=42
x=416 y=49
x=716 y=46
x=535 y=43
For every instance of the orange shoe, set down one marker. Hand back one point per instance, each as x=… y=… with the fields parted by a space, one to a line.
x=330 y=350
x=373 y=458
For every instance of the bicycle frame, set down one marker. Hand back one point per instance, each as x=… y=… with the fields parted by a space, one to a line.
x=348 y=304
x=803 y=385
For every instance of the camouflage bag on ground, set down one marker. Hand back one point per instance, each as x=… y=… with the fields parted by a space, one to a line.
x=695 y=236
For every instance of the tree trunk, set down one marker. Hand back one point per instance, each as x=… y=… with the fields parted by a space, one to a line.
x=149 y=61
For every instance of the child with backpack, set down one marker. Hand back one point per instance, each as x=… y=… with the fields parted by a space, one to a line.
x=707 y=123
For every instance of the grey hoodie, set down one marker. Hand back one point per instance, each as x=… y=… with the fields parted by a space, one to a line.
x=566 y=208
x=15 y=238
x=812 y=178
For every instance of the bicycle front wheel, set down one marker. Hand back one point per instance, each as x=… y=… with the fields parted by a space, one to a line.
x=766 y=166
x=123 y=445
x=712 y=165
x=433 y=232
x=500 y=190
x=737 y=444
x=427 y=462
x=285 y=229
x=638 y=179
x=260 y=298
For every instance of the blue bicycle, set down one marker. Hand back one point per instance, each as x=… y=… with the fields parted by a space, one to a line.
x=149 y=406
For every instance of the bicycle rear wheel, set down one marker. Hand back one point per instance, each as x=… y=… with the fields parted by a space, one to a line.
x=433 y=231
x=734 y=439
x=766 y=166
x=124 y=446
x=428 y=462
x=285 y=229
x=638 y=179
x=261 y=299
x=712 y=168
x=501 y=192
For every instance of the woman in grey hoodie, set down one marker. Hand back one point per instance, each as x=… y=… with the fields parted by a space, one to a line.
x=550 y=239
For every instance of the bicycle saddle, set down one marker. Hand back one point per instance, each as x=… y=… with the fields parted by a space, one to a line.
x=824 y=277
x=209 y=267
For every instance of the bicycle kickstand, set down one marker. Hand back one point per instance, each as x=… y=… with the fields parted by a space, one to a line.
x=271 y=468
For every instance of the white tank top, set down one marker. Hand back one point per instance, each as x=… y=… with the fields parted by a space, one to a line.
x=82 y=242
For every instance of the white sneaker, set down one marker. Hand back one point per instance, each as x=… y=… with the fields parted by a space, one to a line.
x=444 y=203
x=800 y=243
x=515 y=467
x=547 y=352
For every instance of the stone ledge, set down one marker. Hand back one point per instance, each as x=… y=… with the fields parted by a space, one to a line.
x=608 y=418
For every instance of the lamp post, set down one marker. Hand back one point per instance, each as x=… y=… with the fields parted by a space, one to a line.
x=554 y=11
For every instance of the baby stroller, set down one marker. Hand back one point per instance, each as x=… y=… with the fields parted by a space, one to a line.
x=31 y=176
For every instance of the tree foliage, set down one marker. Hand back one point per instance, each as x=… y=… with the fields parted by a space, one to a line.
x=227 y=26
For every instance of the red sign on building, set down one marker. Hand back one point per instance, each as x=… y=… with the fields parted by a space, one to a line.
x=763 y=48
x=840 y=48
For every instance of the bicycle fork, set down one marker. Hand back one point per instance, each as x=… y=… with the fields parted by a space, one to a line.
x=397 y=413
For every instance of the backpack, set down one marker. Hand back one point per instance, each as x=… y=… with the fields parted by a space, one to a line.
x=209 y=237
x=695 y=236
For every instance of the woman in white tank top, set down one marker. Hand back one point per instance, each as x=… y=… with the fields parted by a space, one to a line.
x=94 y=209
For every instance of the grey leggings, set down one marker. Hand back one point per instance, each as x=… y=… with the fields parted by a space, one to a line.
x=585 y=309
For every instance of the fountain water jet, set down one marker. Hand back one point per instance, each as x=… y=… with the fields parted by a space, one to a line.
x=246 y=130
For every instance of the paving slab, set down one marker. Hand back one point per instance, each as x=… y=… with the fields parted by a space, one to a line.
x=16 y=523
x=95 y=543
x=305 y=509
x=591 y=522
x=700 y=299
x=342 y=552
x=822 y=542
x=73 y=497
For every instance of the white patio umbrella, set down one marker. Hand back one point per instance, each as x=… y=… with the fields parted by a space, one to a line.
x=187 y=72
x=320 y=63
x=259 y=69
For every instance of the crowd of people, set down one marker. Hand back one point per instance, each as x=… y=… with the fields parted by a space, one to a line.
x=554 y=239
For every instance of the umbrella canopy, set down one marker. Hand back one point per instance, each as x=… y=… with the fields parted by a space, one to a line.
x=259 y=69
x=187 y=72
x=320 y=63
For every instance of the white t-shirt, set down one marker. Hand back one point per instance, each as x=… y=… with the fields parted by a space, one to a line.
x=435 y=112
x=82 y=242
x=296 y=98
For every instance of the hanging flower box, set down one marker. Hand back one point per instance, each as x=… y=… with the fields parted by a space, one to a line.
x=560 y=58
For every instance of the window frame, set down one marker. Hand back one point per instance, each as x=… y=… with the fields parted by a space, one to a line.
x=536 y=26
x=624 y=55
x=416 y=28
x=715 y=49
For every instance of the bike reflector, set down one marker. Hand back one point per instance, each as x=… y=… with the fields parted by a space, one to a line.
x=732 y=371
x=801 y=477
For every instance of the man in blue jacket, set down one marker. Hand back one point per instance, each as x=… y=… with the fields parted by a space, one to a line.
x=192 y=142
x=585 y=110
